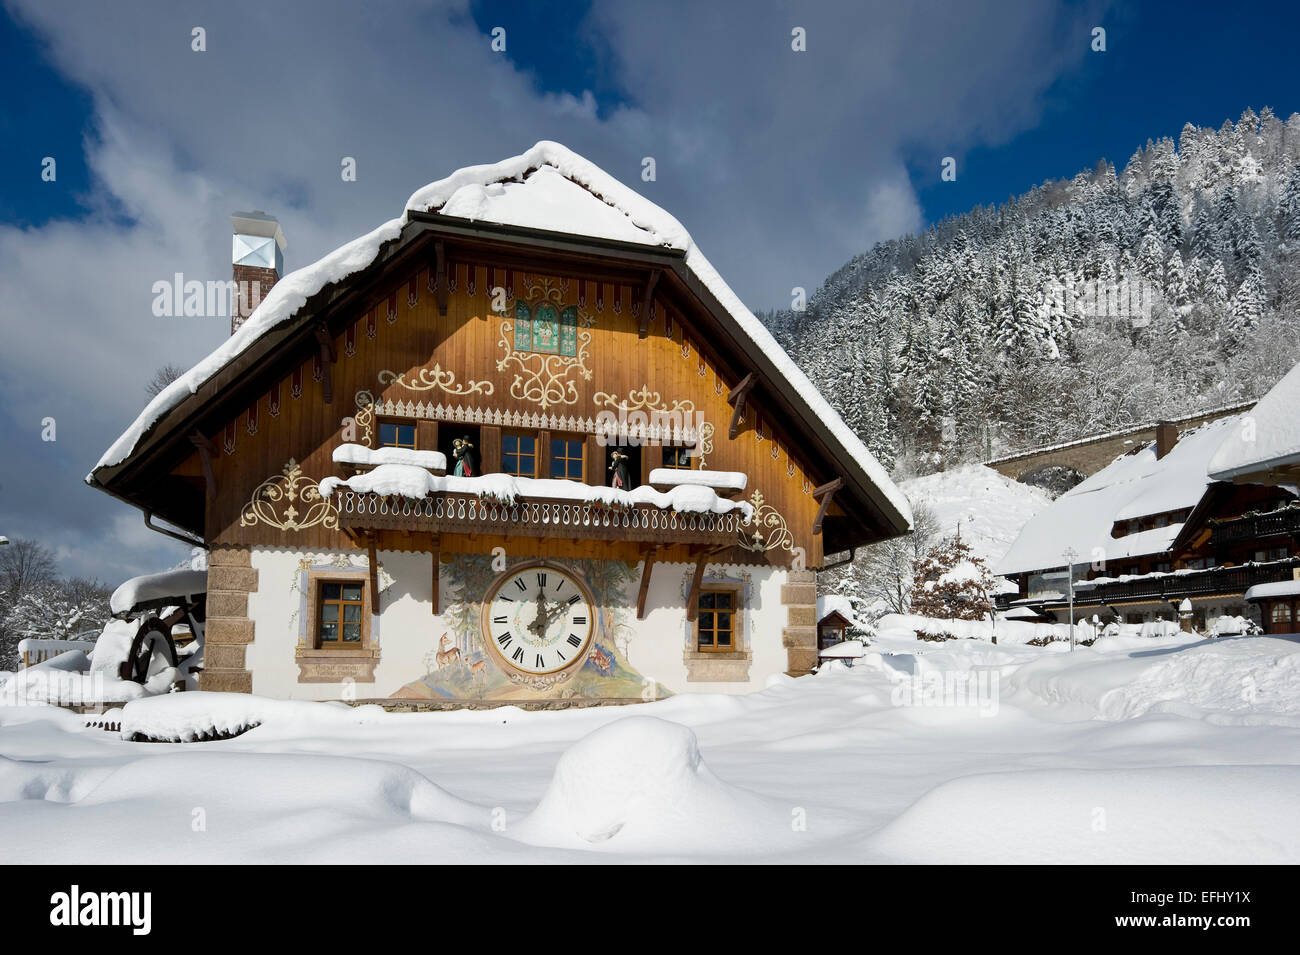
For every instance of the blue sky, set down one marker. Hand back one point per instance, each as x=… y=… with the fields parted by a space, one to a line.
x=782 y=164
x=1166 y=64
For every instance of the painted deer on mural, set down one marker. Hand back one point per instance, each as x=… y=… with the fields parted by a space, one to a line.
x=601 y=661
x=447 y=655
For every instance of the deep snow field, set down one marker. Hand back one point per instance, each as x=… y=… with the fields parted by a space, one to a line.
x=1158 y=750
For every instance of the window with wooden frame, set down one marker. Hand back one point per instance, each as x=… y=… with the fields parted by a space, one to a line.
x=677 y=456
x=397 y=434
x=340 y=618
x=717 y=620
x=566 y=458
x=1282 y=613
x=519 y=454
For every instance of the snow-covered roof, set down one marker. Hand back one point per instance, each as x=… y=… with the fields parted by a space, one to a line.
x=548 y=187
x=1283 y=588
x=1134 y=485
x=166 y=585
x=404 y=480
x=844 y=650
x=1021 y=613
x=1269 y=435
x=835 y=603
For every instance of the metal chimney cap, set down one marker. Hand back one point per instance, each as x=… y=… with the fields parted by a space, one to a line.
x=260 y=224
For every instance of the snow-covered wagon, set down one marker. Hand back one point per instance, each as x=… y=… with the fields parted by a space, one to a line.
x=168 y=612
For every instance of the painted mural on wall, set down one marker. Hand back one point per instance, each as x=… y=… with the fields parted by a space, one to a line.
x=459 y=667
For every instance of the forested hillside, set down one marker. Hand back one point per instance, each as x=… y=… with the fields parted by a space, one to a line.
x=1119 y=295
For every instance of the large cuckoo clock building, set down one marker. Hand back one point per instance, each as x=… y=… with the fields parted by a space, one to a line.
x=520 y=443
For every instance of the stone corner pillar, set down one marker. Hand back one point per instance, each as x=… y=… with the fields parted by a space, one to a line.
x=228 y=630
x=799 y=637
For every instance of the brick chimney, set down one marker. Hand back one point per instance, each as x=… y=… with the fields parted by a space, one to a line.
x=1166 y=438
x=258 y=261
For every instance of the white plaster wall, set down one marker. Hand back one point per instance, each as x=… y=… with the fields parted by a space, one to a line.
x=408 y=630
x=661 y=638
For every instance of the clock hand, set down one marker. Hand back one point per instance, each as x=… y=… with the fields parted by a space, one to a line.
x=542 y=619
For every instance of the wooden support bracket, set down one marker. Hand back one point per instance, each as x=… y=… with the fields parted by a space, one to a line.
x=327 y=359
x=823 y=494
x=648 y=303
x=646 y=570
x=206 y=448
x=440 y=276
x=736 y=398
x=693 y=598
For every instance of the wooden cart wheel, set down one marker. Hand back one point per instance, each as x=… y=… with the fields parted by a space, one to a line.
x=151 y=650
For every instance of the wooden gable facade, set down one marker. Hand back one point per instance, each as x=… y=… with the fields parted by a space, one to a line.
x=420 y=341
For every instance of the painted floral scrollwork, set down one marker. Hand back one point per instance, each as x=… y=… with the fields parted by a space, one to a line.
x=276 y=503
x=543 y=376
x=769 y=528
x=427 y=379
x=544 y=379
x=644 y=400
x=364 y=419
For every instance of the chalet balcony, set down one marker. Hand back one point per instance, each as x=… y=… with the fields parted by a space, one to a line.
x=1280 y=523
x=454 y=513
x=1172 y=588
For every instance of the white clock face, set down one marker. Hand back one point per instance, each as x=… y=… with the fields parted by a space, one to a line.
x=539 y=619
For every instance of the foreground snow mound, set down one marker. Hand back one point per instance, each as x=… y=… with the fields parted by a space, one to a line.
x=640 y=784
x=187 y=717
x=1180 y=815
x=206 y=806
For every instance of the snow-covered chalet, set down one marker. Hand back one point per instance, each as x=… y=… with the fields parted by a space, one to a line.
x=520 y=443
x=1155 y=528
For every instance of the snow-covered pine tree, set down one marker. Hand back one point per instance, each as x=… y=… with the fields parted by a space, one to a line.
x=951 y=582
x=1240 y=188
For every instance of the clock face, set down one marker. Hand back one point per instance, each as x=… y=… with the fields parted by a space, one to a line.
x=538 y=619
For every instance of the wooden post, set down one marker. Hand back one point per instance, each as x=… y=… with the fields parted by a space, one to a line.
x=489 y=452
x=372 y=554
x=435 y=552
x=544 y=454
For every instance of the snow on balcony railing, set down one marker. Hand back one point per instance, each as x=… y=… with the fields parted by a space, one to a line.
x=451 y=512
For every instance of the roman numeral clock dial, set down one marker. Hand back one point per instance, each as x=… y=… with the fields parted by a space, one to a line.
x=538 y=620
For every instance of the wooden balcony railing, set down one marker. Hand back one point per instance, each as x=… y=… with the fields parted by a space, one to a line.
x=1174 y=587
x=535 y=517
x=1272 y=524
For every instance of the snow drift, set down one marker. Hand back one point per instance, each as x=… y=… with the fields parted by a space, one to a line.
x=639 y=784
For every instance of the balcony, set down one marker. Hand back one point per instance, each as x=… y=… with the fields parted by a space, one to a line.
x=454 y=513
x=1172 y=588
x=1279 y=523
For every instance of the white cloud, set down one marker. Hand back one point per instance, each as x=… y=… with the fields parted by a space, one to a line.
x=782 y=164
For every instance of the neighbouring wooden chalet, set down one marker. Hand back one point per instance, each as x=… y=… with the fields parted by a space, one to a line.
x=1266 y=454
x=520 y=443
x=1154 y=528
